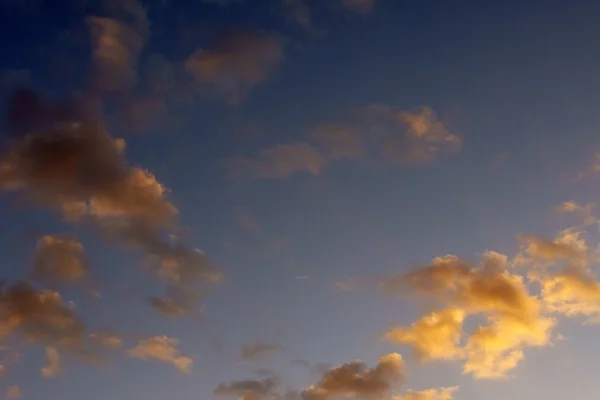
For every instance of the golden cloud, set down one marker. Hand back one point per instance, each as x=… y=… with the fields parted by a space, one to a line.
x=436 y=336
x=446 y=393
x=162 y=348
x=514 y=316
x=355 y=379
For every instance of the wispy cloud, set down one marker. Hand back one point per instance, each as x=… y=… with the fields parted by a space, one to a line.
x=236 y=62
x=382 y=133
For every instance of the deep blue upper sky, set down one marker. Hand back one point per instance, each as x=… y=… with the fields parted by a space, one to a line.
x=215 y=86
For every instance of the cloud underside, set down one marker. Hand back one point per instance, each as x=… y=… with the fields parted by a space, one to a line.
x=519 y=299
x=385 y=134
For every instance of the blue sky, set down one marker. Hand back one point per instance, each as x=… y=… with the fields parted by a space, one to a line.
x=317 y=152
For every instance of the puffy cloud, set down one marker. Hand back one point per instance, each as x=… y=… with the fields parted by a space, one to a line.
x=246 y=390
x=279 y=162
x=446 y=393
x=236 y=62
x=59 y=260
x=356 y=379
x=13 y=392
x=572 y=292
x=361 y=6
x=53 y=369
x=162 y=348
x=259 y=350
x=569 y=246
x=41 y=317
x=436 y=336
x=62 y=157
x=514 y=316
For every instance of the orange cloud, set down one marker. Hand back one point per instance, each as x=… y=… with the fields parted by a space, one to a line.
x=355 y=379
x=59 y=260
x=446 y=393
x=162 y=348
x=436 y=336
x=514 y=316
x=53 y=369
x=14 y=392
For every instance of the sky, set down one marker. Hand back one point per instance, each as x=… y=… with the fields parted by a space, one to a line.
x=299 y=199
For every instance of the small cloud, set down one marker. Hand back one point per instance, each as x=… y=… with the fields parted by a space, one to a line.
x=162 y=348
x=259 y=350
x=54 y=367
x=278 y=162
x=302 y=278
x=236 y=62
x=355 y=379
x=106 y=339
x=246 y=390
x=59 y=260
x=13 y=392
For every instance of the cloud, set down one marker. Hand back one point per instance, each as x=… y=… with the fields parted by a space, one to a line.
x=116 y=48
x=355 y=379
x=574 y=291
x=13 y=392
x=568 y=246
x=340 y=141
x=59 y=260
x=436 y=336
x=423 y=138
x=236 y=62
x=446 y=393
x=63 y=158
x=162 y=348
x=246 y=390
x=381 y=132
x=106 y=339
x=179 y=300
x=259 y=350
x=361 y=6
x=514 y=317
x=278 y=162
x=53 y=369
x=41 y=317
x=117 y=40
